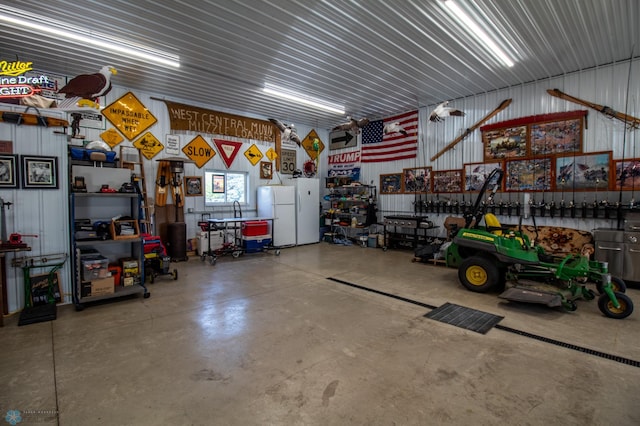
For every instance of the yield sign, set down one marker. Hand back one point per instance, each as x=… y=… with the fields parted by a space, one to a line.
x=228 y=150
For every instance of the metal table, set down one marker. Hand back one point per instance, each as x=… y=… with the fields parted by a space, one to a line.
x=233 y=248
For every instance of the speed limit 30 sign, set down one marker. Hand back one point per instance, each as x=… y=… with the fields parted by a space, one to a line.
x=287 y=161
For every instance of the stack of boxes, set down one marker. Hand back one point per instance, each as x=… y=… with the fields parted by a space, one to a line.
x=255 y=235
x=95 y=275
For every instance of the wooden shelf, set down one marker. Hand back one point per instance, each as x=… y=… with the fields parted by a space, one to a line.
x=116 y=230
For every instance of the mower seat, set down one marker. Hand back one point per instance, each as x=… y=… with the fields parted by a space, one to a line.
x=494 y=226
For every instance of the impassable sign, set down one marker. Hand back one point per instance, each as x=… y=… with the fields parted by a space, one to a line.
x=253 y=154
x=199 y=151
x=312 y=144
x=148 y=145
x=342 y=139
x=129 y=116
x=288 y=161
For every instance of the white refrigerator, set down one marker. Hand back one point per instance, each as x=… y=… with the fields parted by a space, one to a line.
x=279 y=202
x=307 y=194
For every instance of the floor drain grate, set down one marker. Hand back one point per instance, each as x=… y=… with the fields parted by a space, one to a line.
x=463 y=317
x=616 y=358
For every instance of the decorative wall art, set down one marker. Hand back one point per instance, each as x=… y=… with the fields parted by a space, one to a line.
x=266 y=170
x=9 y=176
x=447 y=181
x=39 y=172
x=508 y=142
x=416 y=180
x=193 y=186
x=584 y=172
x=545 y=134
x=475 y=174
x=556 y=137
x=627 y=174
x=391 y=183
x=532 y=174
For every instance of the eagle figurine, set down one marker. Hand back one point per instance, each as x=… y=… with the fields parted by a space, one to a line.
x=289 y=132
x=87 y=88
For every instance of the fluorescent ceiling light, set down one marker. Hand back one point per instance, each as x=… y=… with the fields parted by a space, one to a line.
x=302 y=99
x=42 y=24
x=478 y=32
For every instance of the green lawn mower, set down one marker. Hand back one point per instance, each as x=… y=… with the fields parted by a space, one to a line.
x=497 y=258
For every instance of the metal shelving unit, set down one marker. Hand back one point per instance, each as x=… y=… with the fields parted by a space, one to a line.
x=104 y=206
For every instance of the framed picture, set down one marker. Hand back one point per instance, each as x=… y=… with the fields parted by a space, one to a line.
x=8 y=172
x=266 y=170
x=584 y=172
x=508 y=142
x=447 y=181
x=556 y=137
x=39 y=172
x=531 y=174
x=391 y=183
x=193 y=186
x=416 y=180
x=218 y=183
x=475 y=174
x=627 y=174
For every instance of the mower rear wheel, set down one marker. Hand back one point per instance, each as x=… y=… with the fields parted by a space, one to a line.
x=617 y=284
x=607 y=307
x=175 y=274
x=479 y=274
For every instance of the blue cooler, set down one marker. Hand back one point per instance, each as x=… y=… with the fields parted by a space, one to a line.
x=256 y=243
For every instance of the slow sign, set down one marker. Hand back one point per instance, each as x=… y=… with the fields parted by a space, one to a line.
x=199 y=151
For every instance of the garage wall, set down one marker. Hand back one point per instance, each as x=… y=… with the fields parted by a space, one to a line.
x=605 y=85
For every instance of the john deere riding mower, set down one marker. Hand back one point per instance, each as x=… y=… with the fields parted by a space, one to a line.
x=491 y=257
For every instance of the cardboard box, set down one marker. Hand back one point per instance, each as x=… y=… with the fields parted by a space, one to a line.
x=102 y=287
x=94 y=267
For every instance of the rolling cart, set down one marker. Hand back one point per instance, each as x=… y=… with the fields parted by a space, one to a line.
x=156 y=261
x=233 y=239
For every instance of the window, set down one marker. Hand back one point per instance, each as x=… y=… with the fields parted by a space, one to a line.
x=222 y=187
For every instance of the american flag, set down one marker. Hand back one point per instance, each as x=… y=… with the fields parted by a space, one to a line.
x=378 y=147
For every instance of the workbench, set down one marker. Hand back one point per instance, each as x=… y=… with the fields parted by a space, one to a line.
x=234 y=247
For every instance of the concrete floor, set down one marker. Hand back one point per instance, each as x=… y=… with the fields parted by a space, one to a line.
x=269 y=340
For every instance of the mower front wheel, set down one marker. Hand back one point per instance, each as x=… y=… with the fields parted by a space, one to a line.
x=617 y=284
x=479 y=274
x=608 y=308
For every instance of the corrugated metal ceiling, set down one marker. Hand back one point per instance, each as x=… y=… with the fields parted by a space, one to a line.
x=375 y=57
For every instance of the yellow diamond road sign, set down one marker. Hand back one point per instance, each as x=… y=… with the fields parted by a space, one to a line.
x=199 y=151
x=148 y=145
x=129 y=116
x=312 y=144
x=253 y=154
x=271 y=154
x=111 y=137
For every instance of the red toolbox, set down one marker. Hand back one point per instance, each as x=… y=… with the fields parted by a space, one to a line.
x=254 y=228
